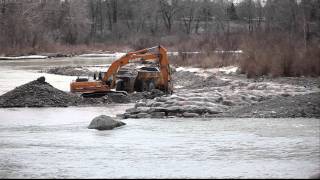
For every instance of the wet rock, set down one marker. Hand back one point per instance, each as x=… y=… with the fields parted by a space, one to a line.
x=41 y=80
x=156 y=93
x=118 y=98
x=121 y=116
x=137 y=96
x=157 y=114
x=132 y=111
x=143 y=109
x=175 y=109
x=158 y=109
x=143 y=115
x=190 y=115
x=315 y=176
x=104 y=122
x=285 y=95
x=139 y=104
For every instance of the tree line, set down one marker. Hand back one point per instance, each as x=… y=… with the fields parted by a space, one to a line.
x=285 y=31
x=34 y=23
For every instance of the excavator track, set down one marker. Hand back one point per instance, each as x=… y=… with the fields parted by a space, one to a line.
x=101 y=94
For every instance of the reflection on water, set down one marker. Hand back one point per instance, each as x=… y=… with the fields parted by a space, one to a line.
x=54 y=142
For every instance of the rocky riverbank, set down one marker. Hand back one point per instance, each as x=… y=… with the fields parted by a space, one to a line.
x=197 y=93
x=208 y=94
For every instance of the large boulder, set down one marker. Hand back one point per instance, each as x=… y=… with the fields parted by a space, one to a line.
x=104 y=122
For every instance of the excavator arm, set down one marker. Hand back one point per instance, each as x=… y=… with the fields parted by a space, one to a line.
x=144 y=55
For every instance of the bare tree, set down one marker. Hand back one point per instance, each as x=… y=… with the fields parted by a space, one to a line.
x=168 y=9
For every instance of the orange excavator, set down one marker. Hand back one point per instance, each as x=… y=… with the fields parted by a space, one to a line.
x=148 y=78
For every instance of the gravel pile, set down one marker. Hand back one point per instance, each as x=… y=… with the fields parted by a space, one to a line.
x=38 y=93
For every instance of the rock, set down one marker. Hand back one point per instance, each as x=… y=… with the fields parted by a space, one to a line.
x=121 y=116
x=190 y=115
x=124 y=116
x=139 y=104
x=285 y=95
x=118 y=98
x=143 y=109
x=132 y=111
x=156 y=93
x=227 y=103
x=157 y=109
x=104 y=122
x=315 y=176
x=174 y=109
x=41 y=79
x=157 y=114
x=158 y=104
x=143 y=115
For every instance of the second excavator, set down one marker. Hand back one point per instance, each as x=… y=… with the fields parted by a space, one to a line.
x=148 y=78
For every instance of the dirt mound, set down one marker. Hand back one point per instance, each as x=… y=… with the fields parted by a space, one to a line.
x=37 y=93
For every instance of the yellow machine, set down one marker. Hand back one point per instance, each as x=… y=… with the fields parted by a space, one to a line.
x=148 y=78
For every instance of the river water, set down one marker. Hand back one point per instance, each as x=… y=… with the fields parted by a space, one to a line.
x=55 y=142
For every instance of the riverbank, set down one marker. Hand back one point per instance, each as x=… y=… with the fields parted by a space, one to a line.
x=223 y=92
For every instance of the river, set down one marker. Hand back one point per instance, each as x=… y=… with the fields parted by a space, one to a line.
x=55 y=142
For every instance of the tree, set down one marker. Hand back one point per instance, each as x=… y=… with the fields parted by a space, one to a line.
x=232 y=14
x=168 y=10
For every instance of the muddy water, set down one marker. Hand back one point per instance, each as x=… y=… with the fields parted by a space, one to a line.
x=55 y=143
